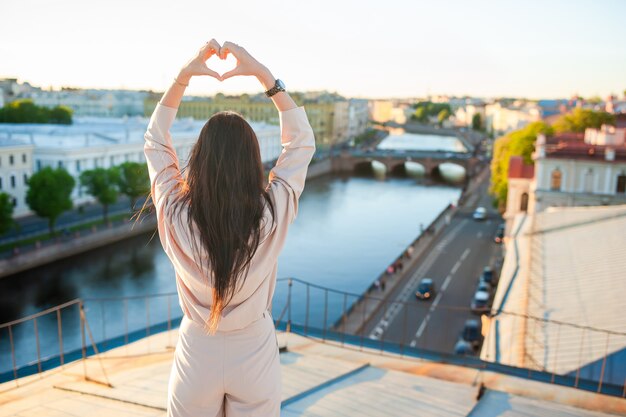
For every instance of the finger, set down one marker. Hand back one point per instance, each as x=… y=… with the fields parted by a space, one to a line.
x=230 y=73
x=210 y=72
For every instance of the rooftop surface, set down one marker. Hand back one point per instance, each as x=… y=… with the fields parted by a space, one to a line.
x=102 y=131
x=319 y=379
x=565 y=265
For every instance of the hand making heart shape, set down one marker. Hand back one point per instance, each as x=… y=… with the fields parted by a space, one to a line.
x=246 y=64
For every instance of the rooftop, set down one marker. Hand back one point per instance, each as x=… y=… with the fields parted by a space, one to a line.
x=518 y=169
x=319 y=379
x=101 y=131
x=565 y=265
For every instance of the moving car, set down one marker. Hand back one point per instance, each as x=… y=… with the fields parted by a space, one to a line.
x=480 y=302
x=480 y=213
x=499 y=234
x=425 y=290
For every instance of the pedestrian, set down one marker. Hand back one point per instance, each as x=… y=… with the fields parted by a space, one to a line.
x=377 y=285
x=223 y=229
x=382 y=284
x=391 y=270
x=409 y=251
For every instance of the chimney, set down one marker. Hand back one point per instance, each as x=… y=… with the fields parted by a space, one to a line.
x=540 y=146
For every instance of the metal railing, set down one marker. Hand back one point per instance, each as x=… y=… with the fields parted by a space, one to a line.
x=81 y=328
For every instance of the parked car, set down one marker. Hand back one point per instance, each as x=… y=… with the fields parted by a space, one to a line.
x=499 y=234
x=425 y=290
x=488 y=275
x=483 y=286
x=471 y=332
x=463 y=348
x=480 y=302
x=480 y=213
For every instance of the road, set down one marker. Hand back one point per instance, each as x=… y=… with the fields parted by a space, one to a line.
x=33 y=225
x=455 y=262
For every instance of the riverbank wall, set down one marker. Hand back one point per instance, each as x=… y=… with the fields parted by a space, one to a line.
x=74 y=246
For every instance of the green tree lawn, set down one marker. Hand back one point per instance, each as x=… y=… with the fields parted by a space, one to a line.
x=49 y=192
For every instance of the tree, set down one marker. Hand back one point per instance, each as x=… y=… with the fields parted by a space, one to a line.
x=134 y=181
x=102 y=183
x=477 y=122
x=61 y=115
x=580 y=119
x=443 y=116
x=49 y=193
x=517 y=143
x=6 y=213
x=26 y=111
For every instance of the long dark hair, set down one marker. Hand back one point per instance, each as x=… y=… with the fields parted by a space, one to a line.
x=225 y=196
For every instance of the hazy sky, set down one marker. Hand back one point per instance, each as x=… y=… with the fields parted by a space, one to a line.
x=535 y=49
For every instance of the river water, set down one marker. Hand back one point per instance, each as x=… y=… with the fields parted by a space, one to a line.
x=401 y=140
x=347 y=231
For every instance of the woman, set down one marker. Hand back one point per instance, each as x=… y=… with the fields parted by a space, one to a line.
x=223 y=228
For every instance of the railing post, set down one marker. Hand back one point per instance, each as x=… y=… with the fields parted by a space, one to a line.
x=363 y=322
x=38 y=349
x=556 y=352
x=60 y=333
x=343 y=318
x=306 y=313
x=289 y=305
x=606 y=352
x=12 y=353
x=404 y=308
x=580 y=354
x=325 y=311
x=104 y=334
x=169 y=320
x=81 y=311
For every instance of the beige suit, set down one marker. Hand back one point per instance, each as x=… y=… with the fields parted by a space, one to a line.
x=237 y=369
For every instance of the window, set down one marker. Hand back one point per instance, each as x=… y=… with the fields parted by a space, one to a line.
x=77 y=165
x=621 y=183
x=524 y=203
x=25 y=179
x=112 y=161
x=0 y=183
x=14 y=201
x=39 y=165
x=60 y=164
x=555 y=180
x=24 y=158
x=12 y=181
x=10 y=159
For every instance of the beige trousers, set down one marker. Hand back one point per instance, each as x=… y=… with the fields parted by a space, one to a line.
x=234 y=373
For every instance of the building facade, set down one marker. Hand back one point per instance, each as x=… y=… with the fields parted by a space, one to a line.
x=101 y=143
x=329 y=116
x=16 y=167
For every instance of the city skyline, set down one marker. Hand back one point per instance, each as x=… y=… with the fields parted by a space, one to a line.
x=484 y=49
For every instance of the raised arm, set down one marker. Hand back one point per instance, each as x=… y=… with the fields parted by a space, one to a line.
x=161 y=157
x=286 y=179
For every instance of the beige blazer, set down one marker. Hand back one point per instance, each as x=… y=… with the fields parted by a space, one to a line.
x=286 y=182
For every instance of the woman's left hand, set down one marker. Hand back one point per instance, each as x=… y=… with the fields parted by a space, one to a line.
x=197 y=65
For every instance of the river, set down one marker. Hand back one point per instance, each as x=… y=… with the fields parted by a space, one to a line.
x=347 y=231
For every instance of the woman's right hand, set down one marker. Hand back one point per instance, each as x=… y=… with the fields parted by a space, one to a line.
x=246 y=64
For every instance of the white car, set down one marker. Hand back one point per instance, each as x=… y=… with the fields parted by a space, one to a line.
x=480 y=213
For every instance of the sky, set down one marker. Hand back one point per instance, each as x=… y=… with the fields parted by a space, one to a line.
x=373 y=49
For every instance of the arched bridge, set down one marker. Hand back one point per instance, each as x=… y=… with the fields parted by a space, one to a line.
x=395 y=162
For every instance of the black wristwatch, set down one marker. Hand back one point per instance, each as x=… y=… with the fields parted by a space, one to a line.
x=278 y=86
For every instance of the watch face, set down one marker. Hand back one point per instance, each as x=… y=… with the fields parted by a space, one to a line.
x=280 y=84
